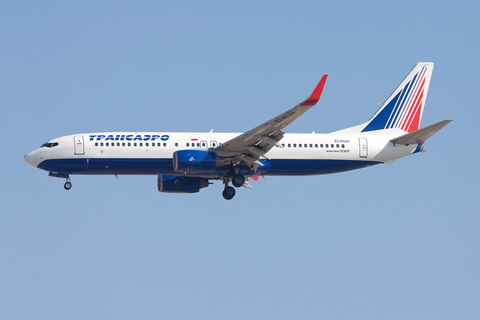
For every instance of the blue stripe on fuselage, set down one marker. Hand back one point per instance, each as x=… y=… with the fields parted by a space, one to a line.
x=300 y=167
x=278 y=167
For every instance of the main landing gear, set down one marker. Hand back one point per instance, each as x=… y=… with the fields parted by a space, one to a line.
x=228 y=193
x=237 y=180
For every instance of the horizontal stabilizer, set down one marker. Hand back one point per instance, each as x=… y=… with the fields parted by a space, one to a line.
x=421 y=135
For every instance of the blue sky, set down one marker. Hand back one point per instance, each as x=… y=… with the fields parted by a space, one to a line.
x=392 y=241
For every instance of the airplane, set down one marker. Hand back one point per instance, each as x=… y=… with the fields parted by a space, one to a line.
x=185 y=162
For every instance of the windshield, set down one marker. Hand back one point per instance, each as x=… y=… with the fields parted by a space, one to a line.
x=49 y=145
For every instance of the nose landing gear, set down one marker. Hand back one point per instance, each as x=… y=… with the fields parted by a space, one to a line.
x=59 y=174
x=68 y=184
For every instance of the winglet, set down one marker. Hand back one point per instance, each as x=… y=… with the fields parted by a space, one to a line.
x=317 y=92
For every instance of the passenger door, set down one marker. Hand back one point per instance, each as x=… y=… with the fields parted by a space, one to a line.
x=79 y=146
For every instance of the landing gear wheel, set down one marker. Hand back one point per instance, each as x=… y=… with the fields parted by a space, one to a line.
x=238 y=180
x=228 y=193
x=67 y=185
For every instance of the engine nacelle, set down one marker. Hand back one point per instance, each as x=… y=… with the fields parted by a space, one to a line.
x=177 y=184
x=193 y=161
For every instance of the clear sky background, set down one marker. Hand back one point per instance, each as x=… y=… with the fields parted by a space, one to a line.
x=397 y=241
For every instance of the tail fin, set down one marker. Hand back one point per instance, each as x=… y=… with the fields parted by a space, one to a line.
x=404 y=108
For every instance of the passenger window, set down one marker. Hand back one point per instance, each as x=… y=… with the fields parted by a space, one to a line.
x=326 y=145
x=214 y=144
x=164 y=144
x=176 y=144
x=188 y=144
x=311 y=146
x=289 y=145
x=203 y=144
x=294 y=145
x=129 y=144
x=118 y=144
x=343 y=146
x=146 y=144
x=283 y=145
x=101 y=144
x=134 y=144
x=299 y=145
x=316 y=145
x=321 y=145
x=106 y=144
x=331 y=145
x=96 y=144
x=338 y=146
x=198 y=144
x=123 y=144
x=141 y=144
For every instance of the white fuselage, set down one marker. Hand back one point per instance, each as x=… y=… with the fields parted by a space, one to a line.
x=151 y=153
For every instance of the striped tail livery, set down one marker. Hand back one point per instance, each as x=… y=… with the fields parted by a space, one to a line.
x=404 y=108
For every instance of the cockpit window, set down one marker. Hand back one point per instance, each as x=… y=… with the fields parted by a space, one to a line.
x=49 y=145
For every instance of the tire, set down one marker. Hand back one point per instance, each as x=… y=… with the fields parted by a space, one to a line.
x=238 y=180
x=67 y=185
x=228 y=193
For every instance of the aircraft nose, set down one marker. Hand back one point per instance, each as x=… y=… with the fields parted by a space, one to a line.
x=32 y=158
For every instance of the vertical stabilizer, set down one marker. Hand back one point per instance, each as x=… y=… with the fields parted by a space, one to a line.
x=404 y=108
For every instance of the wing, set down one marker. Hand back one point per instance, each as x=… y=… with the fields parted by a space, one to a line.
x=250 y=146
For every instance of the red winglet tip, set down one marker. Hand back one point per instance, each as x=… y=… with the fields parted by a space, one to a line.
x=317 y=92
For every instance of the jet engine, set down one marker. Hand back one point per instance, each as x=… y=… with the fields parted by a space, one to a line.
x=194 y=161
